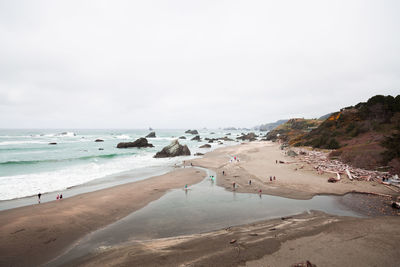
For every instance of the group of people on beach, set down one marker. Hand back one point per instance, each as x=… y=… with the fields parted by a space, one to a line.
x=39 y=195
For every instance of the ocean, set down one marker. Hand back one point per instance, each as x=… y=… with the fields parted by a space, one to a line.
x=29 y=164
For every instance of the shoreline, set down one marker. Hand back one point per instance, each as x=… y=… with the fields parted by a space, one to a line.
x=42 y=232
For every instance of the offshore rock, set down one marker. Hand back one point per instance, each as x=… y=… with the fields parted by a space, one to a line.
x=196 y=138
x=141 y=142
x=151 y=135
x=192 y=132
x=173 y=150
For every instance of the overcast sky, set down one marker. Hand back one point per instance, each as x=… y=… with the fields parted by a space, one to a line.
x=191 y=64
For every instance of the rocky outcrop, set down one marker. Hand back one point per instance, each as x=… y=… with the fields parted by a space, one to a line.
x=249 y=136
x=196 y=138
x=141 y=142
x=151 y=135
x=99 y=140
x=182 y=137
x=192 y=132
x=172 y=150
x=205 y=146
x=198 y=154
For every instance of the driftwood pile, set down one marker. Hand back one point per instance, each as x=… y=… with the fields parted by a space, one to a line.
x=321 y=163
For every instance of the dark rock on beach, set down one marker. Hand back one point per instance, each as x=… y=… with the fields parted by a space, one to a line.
x=249 y=136
x=53 y=143
x=198 y=154
x=151 y=135
x=172 y=150
x=141 y=142
x=192 y=132
x=182 y=137
x=196 y=138
x=205 y=146
x=99 y=140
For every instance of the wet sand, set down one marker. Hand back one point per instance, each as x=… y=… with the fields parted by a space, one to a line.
x=41 y=232
x=322 y=239
x=32 y=235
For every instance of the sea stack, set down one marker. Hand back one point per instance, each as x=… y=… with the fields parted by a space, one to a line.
x=141 y=142
x=173 y=150
x=151 y=135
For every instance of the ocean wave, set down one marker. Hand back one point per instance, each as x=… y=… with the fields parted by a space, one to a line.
x=21 y=142
x=28 y=162
x=18 y=186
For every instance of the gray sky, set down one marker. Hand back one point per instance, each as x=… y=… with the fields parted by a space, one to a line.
x=191 y=64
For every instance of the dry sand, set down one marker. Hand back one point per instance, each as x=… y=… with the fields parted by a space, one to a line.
x=257 y=162
x=34 y=234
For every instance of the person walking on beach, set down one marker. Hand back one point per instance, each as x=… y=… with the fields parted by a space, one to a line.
x=234 y=186
x=270 y=178
x=186 y=187
x=39 y=195
x=274 y=178
x=250 y=182
x=58 y=196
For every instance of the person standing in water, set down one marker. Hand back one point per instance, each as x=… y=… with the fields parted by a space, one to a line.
x=39 y=195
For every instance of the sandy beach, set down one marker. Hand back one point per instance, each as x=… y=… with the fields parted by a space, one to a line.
x=32 y=235
x=257 y=162
x=41 y=232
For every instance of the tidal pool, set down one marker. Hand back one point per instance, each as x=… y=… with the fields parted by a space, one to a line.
x=203 y=207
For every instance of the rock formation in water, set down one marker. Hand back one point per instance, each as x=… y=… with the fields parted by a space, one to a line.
x=172 y=150
x=196 y=138
x=192 y=132
x=141 y=142
x=151 y=135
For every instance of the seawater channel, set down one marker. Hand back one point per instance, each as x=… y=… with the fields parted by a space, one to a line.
x=203 y=207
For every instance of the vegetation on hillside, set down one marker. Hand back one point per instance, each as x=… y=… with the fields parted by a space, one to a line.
x=293 y=130
x=366 y=135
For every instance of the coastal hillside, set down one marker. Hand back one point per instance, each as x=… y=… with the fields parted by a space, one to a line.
x=293 y=131
x=269 y=126
x=365 y=135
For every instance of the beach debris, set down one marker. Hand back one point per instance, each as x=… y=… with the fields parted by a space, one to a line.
x=53 y=143
x=99 y=140
x=304 y=264
x=349 y=174
x=320 y=161
x=233 y=241
x=332 y=180
x=291 y=153
x=396 y=205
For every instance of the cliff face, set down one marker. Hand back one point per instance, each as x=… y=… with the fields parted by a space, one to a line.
x=366 y=135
